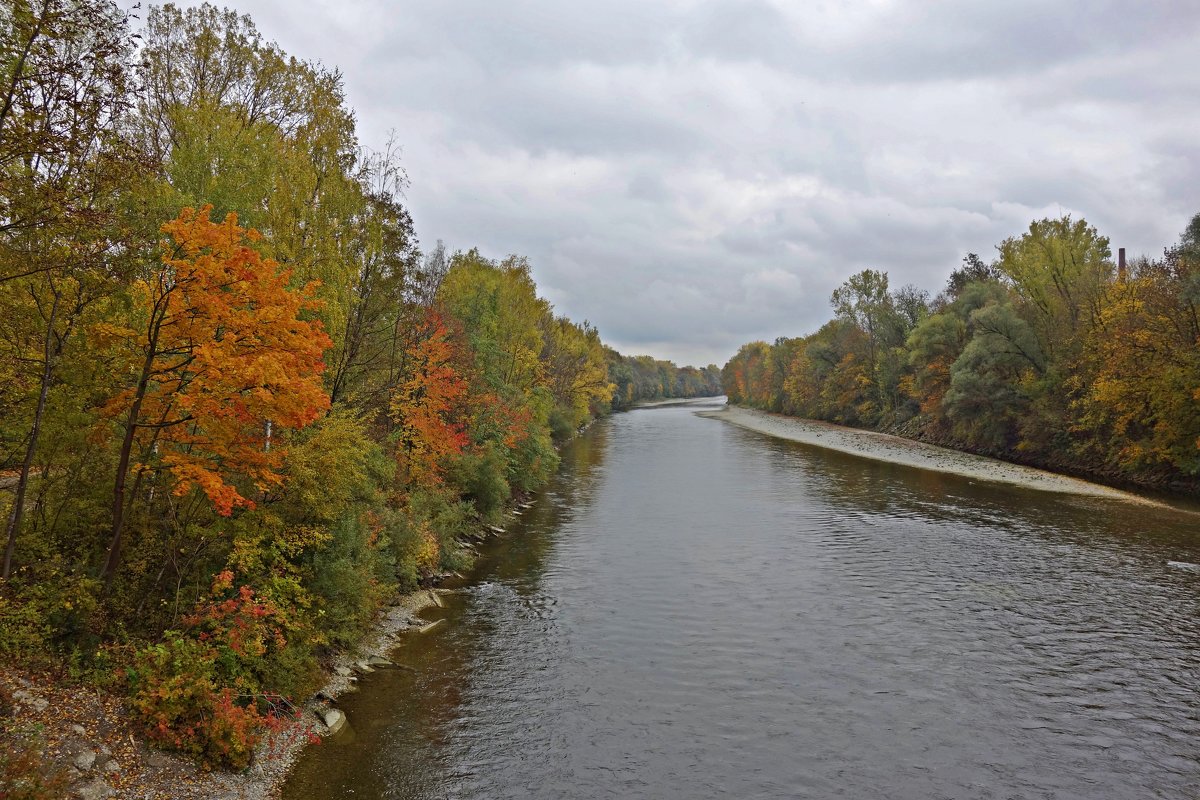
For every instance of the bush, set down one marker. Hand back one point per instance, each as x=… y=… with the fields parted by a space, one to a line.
x=481 y=476
x=562 y=424
x=346 y=581
x=24 y=776
x=198 y=691
x=176 y=698
x=45 y=614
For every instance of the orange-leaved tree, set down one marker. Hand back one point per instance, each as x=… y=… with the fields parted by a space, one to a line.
x=427 y=407
x=219 y=353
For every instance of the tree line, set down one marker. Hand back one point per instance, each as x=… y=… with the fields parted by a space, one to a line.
x=1050 y=354
x=239 y=406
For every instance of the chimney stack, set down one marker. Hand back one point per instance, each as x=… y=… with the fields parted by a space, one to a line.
x=1121 y=272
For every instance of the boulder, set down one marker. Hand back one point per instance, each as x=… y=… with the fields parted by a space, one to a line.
x=342 y=672
x=334 y=720
x=96 y=789
x=85 y=760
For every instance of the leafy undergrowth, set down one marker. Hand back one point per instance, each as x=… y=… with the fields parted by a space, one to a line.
x=41 y=737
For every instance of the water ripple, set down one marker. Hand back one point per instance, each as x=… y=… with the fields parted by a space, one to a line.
x=696 y=611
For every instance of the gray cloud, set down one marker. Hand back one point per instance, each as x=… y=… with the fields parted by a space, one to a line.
x=692 y=174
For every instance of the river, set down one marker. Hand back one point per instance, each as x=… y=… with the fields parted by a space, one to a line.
x=693 y=610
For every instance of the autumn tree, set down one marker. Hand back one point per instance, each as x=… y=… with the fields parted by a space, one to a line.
x=238 y=124
x=391 y=294
x=1141 y=398
x=64 y=93
x=576 y=372
x=1060 y=269
x=221 y=356
x=428 y=407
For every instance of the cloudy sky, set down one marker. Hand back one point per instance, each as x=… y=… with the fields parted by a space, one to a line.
x=690 y=175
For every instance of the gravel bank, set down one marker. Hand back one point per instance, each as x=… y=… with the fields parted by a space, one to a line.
x=896 y=450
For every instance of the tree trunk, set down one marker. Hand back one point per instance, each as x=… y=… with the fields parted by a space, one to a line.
x=131 y=426
x=49 y=354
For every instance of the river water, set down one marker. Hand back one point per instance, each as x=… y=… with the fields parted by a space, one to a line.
x=692 y=610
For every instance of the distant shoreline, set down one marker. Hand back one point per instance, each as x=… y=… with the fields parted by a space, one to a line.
x=898 y=450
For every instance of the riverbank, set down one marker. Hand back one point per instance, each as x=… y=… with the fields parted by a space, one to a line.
x=85 y=737
x=898 y=450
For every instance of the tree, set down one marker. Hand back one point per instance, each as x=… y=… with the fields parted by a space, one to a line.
x=575 y=370
x=63 y=95
x=990 y=381
x=63 y=163
x=221 y=356
x=428 y=407
x=973 y=270
x=1141 y=396
x=239 y=125
x=1060 y=269
x=864 y=301
x=391 y=293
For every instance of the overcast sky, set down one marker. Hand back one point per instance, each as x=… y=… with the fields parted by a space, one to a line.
x=692 y=175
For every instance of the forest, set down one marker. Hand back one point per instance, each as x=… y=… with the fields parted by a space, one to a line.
x=1051 y=355
x=240 y=407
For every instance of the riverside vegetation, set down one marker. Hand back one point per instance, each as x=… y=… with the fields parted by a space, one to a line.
x=1050 y=355
x=239 y=407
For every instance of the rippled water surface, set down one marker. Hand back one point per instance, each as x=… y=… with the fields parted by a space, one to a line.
x=693 y=610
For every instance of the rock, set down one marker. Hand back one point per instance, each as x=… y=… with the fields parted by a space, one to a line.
x=157 y=759
x=111 y=767
x=95 y=790
x=334 y=719
x=437 y=601
x=342 y=672
x=430 y=626
x=378 y=661
x=85 y=760
x=30 y=700
x=363 y=667
x=78 y=730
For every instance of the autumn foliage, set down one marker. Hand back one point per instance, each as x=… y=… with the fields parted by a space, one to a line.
x=224 y=350
x=1051 y=355
x=197 y=510
x=429 y=406
x=197 y=691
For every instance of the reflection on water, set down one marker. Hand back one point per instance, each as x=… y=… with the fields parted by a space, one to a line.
x=692 y=610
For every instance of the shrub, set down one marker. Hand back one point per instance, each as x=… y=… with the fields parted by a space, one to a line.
x=24 y=775
x=178 y=702
x=198 y=691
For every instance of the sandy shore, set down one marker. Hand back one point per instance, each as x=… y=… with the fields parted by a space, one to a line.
x=896 y=450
